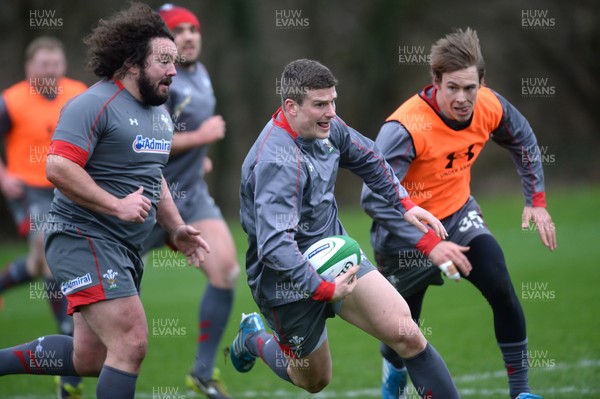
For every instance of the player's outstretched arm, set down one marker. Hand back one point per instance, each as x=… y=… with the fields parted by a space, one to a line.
x=543 y=222
x=185 y=237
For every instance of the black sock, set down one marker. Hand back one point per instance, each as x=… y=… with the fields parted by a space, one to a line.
x=115 y=384
x=430 y=376
x=52 y=355
x=215 y=307
x=264 y=345
x=516 y=361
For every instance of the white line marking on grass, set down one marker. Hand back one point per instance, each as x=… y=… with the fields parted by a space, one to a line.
x=357 y=393
x=376 y=392
x=584 y=363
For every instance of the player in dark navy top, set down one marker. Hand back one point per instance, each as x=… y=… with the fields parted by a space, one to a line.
x=105 y=160
x=287 y=204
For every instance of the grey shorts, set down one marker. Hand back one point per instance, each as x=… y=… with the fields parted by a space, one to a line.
x=409 y=271
x=299 y=326
x=194 y=205
x=91 y=268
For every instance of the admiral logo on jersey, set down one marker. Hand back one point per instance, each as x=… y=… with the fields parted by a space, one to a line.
x=152 y=145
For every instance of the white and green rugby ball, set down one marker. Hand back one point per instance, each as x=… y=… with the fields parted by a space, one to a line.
x=333 y=255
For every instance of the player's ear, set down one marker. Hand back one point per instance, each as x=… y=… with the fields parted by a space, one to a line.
x=437 y=82
x=134 y=70
x=290 y=106
x=130 y=68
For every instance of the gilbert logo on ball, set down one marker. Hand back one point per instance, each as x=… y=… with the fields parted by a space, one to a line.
x=333 y=255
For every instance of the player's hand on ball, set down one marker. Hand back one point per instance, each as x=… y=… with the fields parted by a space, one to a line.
x=449 y=256
x=416 y=215
x=187 y=239
x=344 y=284
x=134 y=207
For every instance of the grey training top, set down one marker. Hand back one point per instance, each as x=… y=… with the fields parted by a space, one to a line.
x=191 y=102
x=122 y=144
x=287 y=201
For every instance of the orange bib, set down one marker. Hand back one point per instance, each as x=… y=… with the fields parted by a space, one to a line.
x=33 y=119
x=439 y=177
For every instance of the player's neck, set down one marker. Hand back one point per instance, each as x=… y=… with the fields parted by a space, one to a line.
x=131 y=85
x=291 y=122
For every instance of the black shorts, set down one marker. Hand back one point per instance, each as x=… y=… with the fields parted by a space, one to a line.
x=409 y=271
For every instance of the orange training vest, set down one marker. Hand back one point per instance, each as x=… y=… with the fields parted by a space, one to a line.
x=439 y=177
x=33 y=119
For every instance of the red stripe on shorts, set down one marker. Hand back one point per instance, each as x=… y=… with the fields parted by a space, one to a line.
x=88 y=295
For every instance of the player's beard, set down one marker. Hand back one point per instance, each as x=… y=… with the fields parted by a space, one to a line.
x=150 y=94
x=187 y=64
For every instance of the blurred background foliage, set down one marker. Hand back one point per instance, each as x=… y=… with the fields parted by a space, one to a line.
x=246 y=46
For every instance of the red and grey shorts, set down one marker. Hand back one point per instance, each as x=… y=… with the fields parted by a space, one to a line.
x=91 y=268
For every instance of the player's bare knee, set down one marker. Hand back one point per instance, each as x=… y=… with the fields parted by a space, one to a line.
x=408 y=340
x=223 y=274
x=311 y=379
x=316 y=386
x=89 y=361
x=312 y=385
x=415 y=342
x=229 y=271
x=233 y=275
x=135 y=350
x=133 y=346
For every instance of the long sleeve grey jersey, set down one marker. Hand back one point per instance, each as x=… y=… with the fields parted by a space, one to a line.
x=287 y=202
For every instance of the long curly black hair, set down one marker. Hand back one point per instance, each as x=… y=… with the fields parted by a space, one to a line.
x=123 y=40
